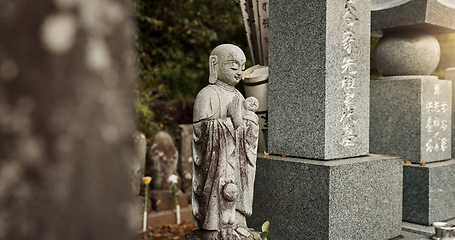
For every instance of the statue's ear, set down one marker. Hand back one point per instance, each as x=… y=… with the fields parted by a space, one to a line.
x=213 y=62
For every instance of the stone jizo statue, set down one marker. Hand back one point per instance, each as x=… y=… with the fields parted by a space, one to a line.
x=225 y=136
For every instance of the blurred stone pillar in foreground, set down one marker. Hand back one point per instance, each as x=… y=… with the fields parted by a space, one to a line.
x=66 y=119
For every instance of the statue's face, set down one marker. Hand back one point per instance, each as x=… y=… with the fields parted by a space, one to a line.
x=232 y=67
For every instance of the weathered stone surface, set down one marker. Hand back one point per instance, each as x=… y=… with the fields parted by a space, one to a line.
x=428 y=192
x=225 y=139
x=185 y=162
x=406 y=53
x=319 y=78
x=163 y=160
x=355 y=198
x=450 y=75
x=431 y=16
x=411 y=117
x=138 y=164
x=66 y=120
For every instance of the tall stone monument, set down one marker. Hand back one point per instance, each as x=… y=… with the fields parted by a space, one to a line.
x=319 y=111
x=411 y=111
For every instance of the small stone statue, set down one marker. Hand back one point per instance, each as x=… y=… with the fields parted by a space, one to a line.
x=225 y=137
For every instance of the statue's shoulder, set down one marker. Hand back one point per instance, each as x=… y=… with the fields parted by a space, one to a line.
x=206 y=103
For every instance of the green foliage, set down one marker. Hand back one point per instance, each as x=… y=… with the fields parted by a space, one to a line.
x=175 y=38
x=265 y=230
x=173 y=41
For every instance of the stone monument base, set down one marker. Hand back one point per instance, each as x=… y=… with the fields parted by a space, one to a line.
x=428 y=192
x=354 y=198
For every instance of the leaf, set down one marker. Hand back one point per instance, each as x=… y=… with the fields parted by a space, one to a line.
x=264 y=235
x=265 y=226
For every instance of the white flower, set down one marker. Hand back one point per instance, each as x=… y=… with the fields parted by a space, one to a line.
x=173 y=179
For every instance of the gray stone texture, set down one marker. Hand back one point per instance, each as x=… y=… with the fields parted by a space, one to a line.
x=432 y=16
x=428 y=192
x=138 y=162
x=406 y=53
x=411 y=117
x=185 y=163
x=163 y=160
x=355 y=198
x=313 y=111
x=66 y=110
x=450 y=75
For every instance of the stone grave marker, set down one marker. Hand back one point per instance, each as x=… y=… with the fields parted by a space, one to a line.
x=163 y=160
x=411 y=117
x=410 y=113
x=319 y=63
x=318 y=107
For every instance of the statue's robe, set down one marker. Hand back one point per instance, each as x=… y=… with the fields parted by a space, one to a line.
x=215 y=157
x=247 y=147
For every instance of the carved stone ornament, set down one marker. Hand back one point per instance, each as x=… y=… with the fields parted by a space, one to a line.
x=225 y=137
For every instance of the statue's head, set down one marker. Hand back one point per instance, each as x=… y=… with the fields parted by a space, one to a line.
x=251 y=104
x=227 y=64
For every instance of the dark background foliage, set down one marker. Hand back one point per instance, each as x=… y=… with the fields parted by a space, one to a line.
x=173 y=40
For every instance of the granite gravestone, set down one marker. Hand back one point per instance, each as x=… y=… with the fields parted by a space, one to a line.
x=318 y=108
x=163 y=160
x=425 y=138
x=450 y=75
x=225 y=141
x=410 y=117
x=319 y=64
